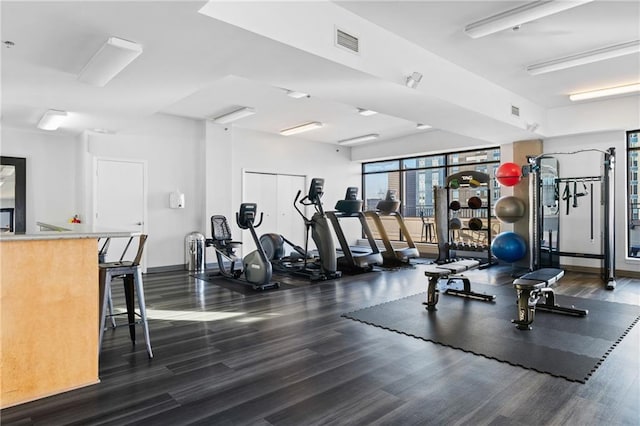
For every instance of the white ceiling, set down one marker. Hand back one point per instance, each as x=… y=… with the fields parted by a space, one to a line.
x=198 y=67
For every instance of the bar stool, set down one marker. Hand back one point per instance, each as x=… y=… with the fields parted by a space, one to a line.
x=426 y=234
x=132 y=275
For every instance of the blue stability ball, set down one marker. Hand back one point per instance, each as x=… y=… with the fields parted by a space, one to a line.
x=509 y=246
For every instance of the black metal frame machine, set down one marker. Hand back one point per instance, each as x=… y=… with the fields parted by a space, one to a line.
x=255 y=265
x=301 y=262
x=351 y=261
x=390 y=207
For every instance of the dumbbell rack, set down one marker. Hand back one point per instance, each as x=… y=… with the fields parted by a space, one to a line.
x=466 y=182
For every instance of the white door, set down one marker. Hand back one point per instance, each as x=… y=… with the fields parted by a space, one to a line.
x=260 y=188
x=120 y=201
x=290 y=223
x=274 y=195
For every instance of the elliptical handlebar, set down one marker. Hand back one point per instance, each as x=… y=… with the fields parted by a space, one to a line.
x=246 y=217
x=313 y=198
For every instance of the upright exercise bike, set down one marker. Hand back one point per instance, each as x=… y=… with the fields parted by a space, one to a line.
x=300 y=262
x=255 y=265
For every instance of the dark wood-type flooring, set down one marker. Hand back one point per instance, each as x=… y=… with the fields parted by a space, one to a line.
x=231 y=356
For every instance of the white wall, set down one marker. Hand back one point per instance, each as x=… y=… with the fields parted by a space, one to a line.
x=257 y=151
x=230 y=150
x=203 y=161
x=51 y=173
x=595 y=116
x=172 y=147
x=574 y=228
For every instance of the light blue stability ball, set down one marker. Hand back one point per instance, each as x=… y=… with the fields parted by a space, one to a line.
x=509 y=246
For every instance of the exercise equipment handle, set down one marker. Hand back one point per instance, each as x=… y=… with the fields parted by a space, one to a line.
x=260 y=221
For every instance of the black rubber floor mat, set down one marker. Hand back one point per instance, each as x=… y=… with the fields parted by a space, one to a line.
x=560 y=345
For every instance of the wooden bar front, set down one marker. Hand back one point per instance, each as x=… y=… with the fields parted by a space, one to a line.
x=48 y=314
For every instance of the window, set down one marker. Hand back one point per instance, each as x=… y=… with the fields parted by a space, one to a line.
x=414 y=179
x=633 y=207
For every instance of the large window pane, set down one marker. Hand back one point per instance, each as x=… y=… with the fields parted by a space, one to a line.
x=414 y=179
x=418 y=191
x=423 y=162
x=381 y=166
x=376 y=186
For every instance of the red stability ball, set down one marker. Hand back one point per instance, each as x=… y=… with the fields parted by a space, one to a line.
x=508 y=174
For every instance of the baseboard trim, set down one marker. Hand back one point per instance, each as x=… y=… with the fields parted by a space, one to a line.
x=175 y=268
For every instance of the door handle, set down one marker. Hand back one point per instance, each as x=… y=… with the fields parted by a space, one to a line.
x=139 y=223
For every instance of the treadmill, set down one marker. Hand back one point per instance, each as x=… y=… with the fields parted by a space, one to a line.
x=393 y=257
x=350 y=261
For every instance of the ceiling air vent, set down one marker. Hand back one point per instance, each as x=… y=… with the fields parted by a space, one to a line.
x=347 y=41
x=515 y=111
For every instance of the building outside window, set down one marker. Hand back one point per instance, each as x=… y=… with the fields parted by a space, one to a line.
x=414 y=179
x=633 y=202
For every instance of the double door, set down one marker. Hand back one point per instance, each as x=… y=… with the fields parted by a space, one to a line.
x=274 y=194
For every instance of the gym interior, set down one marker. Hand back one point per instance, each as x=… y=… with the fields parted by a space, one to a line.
x=296 y=213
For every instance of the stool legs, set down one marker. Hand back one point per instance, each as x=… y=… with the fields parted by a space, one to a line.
x=130 y=303
x=132 y=281
x=105 y=291
x=143 y=310
x=110 y=303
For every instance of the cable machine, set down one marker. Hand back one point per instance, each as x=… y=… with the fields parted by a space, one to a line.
x=544 y=229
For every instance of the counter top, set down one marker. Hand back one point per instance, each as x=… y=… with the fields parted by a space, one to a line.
x=53 y=231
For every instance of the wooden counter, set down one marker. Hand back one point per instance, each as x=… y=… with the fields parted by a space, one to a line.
x=48 y=314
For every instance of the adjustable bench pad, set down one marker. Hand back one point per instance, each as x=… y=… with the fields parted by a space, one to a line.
x=447 y=269
x=542 y=277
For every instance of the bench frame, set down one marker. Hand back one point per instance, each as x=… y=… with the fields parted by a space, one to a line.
x=534 y=286
x=452 y=273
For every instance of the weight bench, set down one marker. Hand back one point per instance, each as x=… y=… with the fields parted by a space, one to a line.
x=452 y=273
x=533 y=286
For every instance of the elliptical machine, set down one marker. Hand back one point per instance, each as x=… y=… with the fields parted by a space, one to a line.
x=300 y=262
x=255 y=265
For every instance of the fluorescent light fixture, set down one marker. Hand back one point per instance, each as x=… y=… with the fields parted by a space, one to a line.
x=301 y=128
x=234 y=115
x=102 y=131
x=359 y=139
x=583 y=58
x=610 y=91
x=296 y=95
x=421 y=126
x=52 y=119
x=413 y=80
x=114 y=55
x=366 y=112
x=519 y=15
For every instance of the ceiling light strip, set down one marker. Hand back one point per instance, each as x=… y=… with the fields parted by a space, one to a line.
x=301 y=128
x=583 y=58
x=519 y=15
x=296 y=95
x=113 y=57
x=234 y=115
x=610 y=91
x=366 y=112
x=359 y=139
x=52 y=119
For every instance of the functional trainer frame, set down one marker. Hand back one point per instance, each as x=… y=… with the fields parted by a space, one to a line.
x=536 y=214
